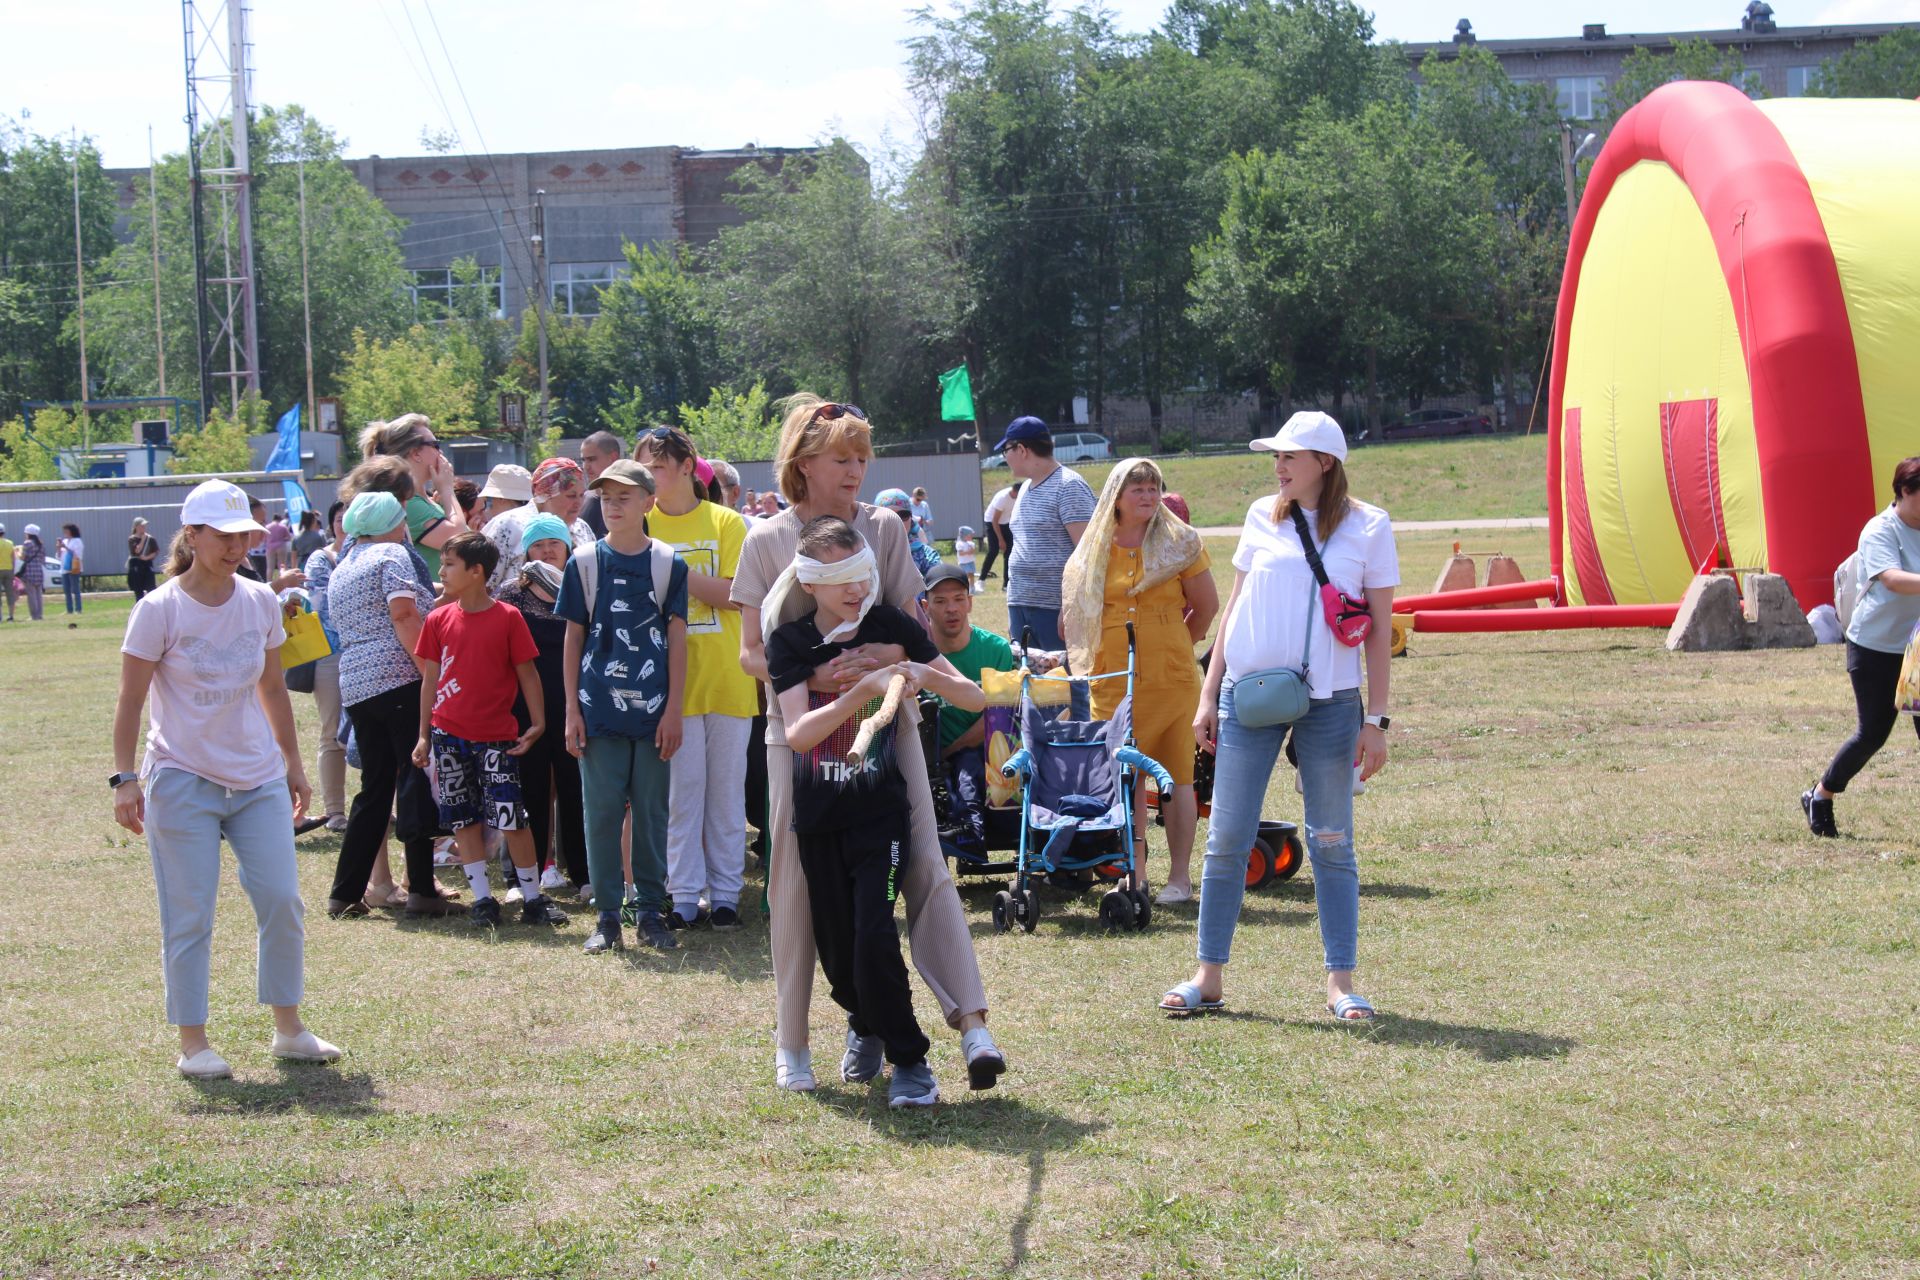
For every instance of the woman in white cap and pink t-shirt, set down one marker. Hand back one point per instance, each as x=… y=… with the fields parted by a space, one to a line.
x=222 y=759
x=1278 y=615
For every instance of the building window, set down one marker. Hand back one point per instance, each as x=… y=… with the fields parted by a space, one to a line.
x=434 y=289
x=576 y=285
x=1802 y=81
x=1580 y=97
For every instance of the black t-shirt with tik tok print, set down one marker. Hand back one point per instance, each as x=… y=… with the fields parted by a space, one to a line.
x=828 y=793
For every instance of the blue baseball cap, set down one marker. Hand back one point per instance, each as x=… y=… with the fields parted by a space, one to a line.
x=1021 y=430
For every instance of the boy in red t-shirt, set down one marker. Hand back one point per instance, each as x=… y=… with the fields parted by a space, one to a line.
x=474 y=655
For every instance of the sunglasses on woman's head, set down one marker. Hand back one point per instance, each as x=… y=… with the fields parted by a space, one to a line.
x=830 y=411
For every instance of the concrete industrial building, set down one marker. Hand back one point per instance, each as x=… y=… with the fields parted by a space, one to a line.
x=483 y=208
x=1784 y=60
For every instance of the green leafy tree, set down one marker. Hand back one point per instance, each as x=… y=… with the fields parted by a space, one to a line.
x=39 y=358
x=35 y=455
x=828 y=283
x=656 y=341
x=1885 y=68
x=412 y=373
x=357 y=281
x=1643 y=71
x=224 y=445
x=736 y=425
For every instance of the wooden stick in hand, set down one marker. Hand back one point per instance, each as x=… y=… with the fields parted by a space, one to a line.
x=879 y=720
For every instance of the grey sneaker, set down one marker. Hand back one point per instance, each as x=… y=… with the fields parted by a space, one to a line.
x=863 y=1059
x=606 y=935
x=913 y=1086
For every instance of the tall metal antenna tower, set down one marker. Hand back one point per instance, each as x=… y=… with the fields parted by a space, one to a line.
x=218 y=113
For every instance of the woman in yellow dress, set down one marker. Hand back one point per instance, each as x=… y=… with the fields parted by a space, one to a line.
x=1139 y=563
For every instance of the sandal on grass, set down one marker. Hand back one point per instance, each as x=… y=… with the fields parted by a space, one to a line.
x=1352 y=1008
x=1192 y=1001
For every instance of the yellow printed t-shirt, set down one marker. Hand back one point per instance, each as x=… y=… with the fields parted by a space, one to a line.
x=709 y=538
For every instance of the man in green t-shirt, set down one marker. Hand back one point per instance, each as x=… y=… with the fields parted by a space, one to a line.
x=971 y=650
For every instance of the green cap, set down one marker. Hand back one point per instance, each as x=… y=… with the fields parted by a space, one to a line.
x=625 y=471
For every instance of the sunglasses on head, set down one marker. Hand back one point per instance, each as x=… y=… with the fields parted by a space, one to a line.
x=830 y=411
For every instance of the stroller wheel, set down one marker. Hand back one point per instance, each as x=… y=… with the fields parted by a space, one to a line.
x=1029 y=909
x=1288 y=857
x=1002 y=911
x=1116 y=910
x=1259 y=864
x=1142 y=907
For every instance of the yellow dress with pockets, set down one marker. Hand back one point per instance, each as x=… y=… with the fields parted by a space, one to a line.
x=1166 y=675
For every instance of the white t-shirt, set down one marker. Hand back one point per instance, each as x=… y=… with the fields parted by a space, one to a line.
x=1264 y=629
x=963 y=552
x=1000 y=507
x=205 y=714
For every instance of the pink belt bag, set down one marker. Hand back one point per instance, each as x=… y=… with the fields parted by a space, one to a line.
x=1348 y=617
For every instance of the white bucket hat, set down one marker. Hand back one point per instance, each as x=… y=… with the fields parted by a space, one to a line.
x=510 y=482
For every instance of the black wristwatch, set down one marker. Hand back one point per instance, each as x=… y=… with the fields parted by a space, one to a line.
x=115 y=780
x=1382 y=723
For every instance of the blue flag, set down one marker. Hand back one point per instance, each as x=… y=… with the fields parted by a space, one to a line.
x=286 y=457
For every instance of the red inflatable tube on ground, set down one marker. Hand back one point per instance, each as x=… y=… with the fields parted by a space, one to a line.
x=1566 y=618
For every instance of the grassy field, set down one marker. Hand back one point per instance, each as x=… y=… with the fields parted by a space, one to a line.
x=1639 y=1024
x=1467 y=479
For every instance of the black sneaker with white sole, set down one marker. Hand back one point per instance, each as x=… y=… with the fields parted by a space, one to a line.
x=605 y=935
x=541 y=910
x=725 y=919
x=1819 y=813
x=485 y=913
x=676 y=921
x=654 y=932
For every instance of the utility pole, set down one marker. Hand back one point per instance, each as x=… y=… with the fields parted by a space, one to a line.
x=153 y=213
x=80 y=285
x=306 y=305
x=544 y=295
x=217 y=85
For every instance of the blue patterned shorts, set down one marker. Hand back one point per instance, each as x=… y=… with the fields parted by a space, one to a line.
x=476 y=783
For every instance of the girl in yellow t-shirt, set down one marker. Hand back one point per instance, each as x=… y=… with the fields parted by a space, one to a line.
x=707 y=812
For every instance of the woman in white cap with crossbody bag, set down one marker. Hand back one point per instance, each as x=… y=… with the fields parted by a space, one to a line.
x=1314 y=574
x=222 y=760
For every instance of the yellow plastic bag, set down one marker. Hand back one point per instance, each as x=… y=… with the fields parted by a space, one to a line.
x=1906 y=693
x=306 y=642
x=1003 y=689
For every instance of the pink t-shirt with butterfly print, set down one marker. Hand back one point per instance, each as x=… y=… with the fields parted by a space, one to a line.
x=204 y=709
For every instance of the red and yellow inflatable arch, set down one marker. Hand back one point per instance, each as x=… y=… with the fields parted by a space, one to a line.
x=1736 y=360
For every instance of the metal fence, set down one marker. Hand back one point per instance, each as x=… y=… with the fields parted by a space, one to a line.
x=104 y=510
x=952 y=482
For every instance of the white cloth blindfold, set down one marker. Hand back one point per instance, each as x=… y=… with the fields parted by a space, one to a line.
x=858 y=567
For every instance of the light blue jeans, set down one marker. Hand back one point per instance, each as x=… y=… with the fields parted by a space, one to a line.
x=1324 y=741
x=186 y=816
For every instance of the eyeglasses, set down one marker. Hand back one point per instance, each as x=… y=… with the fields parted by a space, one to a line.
x=830 y=411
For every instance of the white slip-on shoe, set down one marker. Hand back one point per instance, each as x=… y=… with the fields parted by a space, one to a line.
x=204 y=1065
x=793 y=1069
x=305 y=1047
x=551 y=879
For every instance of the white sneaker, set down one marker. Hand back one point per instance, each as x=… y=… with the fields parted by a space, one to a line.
x=443 y=855
x=514 y=895
x=793 y=1069
x=551 y=878
x=204 y=1065
x=305 y=1047
x=338 y=822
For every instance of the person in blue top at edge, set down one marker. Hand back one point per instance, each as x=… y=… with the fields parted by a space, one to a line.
x=626 y=669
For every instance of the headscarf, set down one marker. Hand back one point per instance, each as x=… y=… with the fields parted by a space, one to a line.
x=542 y=527
x=894 y=500
x=555 y=475
x=860 y=566
x=373 y=513
x=1171 y=545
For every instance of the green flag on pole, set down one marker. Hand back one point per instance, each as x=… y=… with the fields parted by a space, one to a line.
x=956 y=395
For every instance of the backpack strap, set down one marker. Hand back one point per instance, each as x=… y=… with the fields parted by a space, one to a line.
x=586 y=563
x=661 y=555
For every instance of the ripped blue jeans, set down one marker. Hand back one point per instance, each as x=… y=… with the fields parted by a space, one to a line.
x=1324 y=741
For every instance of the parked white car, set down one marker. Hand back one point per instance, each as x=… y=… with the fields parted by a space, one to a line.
x=1068 y=446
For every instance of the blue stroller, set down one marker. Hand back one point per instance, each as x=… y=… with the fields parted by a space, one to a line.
x=1076 y=803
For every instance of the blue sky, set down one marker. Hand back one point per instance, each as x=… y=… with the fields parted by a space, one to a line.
x=600 y=73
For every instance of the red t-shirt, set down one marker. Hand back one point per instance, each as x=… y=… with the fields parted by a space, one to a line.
x=477 y=653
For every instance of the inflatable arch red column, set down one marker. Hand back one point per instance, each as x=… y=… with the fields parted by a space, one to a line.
x=1809 y=420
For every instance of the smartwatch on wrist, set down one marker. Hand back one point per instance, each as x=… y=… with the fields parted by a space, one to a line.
x=116 y=780
x=1380 y=722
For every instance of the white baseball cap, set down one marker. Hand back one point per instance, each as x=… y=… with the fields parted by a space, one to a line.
x=1307 y=430
x=510 y=482
x=221 y=506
